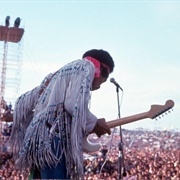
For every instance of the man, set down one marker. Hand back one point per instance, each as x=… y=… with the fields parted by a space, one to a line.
x=56 y=117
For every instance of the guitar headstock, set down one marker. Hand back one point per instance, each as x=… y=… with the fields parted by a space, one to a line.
x=157 y=110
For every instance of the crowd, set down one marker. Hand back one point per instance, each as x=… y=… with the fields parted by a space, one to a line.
x=151 y=155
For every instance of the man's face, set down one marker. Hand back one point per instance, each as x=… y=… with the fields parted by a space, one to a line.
x=97 y=82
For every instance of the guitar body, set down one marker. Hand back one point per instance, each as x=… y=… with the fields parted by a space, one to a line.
x=90 y=147
x=155 y=111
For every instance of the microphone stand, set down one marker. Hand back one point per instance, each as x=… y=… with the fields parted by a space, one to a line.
x=121 y=155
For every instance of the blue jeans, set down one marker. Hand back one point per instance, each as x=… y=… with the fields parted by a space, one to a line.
x=58 y=172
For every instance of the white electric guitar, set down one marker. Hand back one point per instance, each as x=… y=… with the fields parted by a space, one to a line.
x=154 y=112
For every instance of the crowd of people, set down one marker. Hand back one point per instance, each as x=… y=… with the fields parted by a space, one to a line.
x=147 y=155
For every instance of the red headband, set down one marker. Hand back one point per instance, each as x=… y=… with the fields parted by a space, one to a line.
x=97 y=65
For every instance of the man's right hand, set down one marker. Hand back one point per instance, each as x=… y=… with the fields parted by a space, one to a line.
x=101 y=128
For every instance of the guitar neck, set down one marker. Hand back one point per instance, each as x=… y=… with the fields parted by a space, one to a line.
x=126 y=120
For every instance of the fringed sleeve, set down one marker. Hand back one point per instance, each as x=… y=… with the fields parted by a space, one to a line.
x=23 y=114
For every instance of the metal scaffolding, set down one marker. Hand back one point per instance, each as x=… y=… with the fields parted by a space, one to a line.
x=11 y=45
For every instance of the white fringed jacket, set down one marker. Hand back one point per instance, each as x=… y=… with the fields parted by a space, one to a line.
x=60 y=111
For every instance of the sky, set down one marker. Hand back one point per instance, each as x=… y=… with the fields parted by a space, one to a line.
x=143 y=37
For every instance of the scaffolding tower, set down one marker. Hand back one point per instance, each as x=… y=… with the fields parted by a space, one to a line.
x=11 y=46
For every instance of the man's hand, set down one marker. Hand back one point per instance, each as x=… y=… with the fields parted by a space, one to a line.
x=101 y=128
